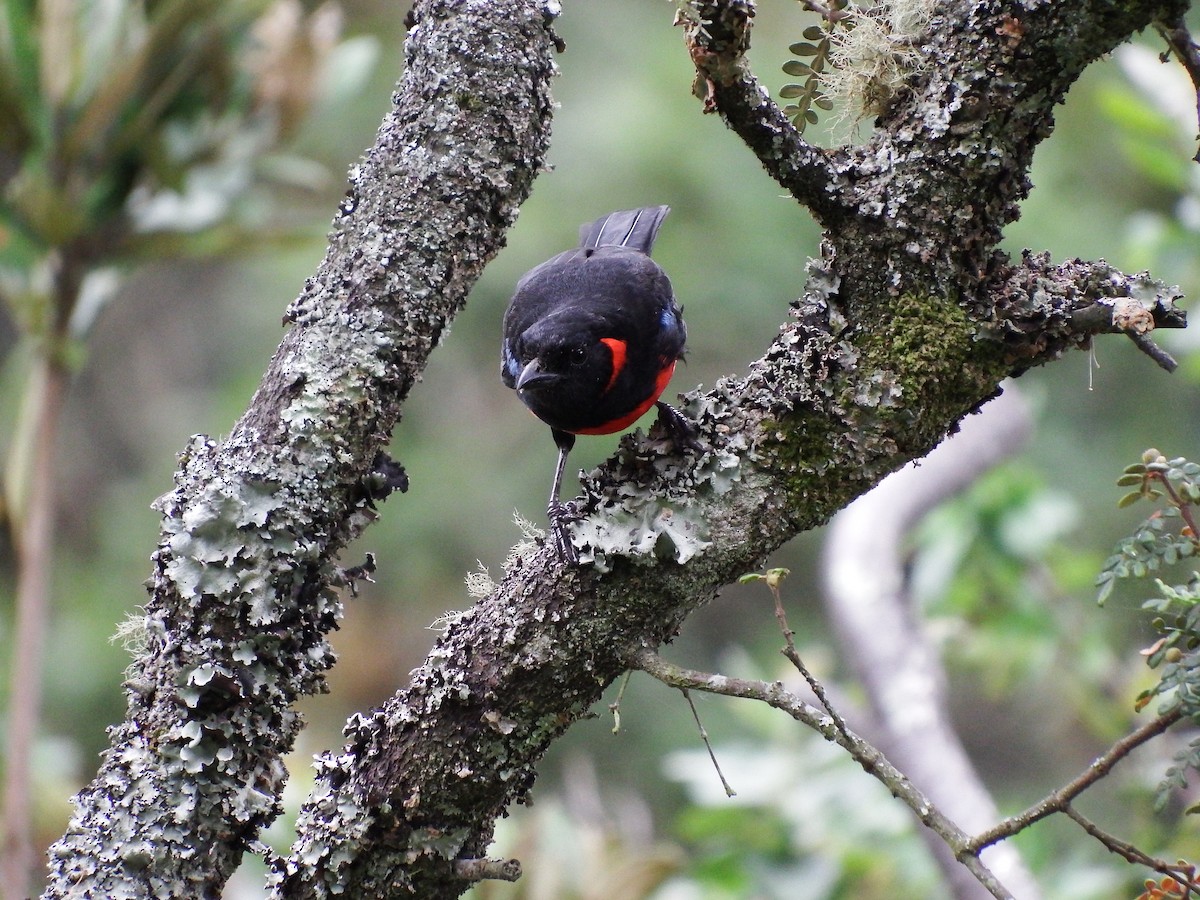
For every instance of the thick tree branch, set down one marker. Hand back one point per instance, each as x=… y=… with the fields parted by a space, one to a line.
x=241 y=603
x=885 y=352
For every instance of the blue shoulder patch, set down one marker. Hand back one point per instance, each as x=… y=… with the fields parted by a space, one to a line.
x=509 y=364
x=670 y=320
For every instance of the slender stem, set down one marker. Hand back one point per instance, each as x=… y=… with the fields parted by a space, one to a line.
x=33 y=533
x=1184 y=506
x=729 y=791
x=1060 y=800
x=865 y=754
x=793 y=655
x=1182 y=872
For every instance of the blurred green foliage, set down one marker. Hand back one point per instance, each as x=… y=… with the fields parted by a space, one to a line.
x=1041 y=680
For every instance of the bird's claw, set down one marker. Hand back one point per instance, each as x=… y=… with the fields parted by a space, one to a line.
x=683 y=431
x=561 y=516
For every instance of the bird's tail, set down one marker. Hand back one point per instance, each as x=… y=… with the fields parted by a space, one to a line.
x=634 y=228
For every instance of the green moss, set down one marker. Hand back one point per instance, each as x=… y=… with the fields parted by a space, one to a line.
x=921 y=360
x=804 y=448
x=468 y=102
x=914 y=370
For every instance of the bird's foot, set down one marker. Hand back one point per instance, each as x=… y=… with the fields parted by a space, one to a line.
x=683 y=430
x=561 y=516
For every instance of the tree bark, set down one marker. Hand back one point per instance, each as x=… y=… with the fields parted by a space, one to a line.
x=242 y=594
x=909 y=321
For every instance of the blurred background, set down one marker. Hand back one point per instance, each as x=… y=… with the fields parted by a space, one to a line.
x=1042 y=679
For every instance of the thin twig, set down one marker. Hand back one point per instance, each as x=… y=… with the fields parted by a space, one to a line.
x=1060 y=800
x=615 y=706
x=1179 y=39
x=1181 y=872
x=773 y=579
x=1184 y=506
x=825 y=11
x=1160 y=356
x=729 y=791
x=34 y=538
x=864 y=753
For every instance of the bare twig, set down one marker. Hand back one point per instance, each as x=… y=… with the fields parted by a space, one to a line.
x=729 y=791
x=1179 y=39
x=863 y=752
x=487 y=869
x=1060 y=800
x=1144 y=343
x=1183 y=873
x=773 y=578
x=615 y=706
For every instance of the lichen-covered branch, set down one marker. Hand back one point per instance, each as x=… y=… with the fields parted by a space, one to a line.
x=1042 y=309
x=718 y=36
x=887 y=349
x=241 y=602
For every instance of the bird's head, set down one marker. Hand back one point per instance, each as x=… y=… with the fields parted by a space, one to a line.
x=548 y=355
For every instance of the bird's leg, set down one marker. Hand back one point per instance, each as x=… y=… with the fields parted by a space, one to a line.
x=562 y=514
x=683 y=431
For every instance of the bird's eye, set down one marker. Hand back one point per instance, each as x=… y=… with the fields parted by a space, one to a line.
x=577 y=353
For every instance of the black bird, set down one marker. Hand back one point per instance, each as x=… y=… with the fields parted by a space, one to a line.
x=591 y=338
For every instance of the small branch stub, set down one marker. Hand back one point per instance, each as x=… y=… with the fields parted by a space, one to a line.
x=488 y=869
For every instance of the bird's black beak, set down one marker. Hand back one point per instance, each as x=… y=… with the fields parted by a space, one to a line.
x=532 y=375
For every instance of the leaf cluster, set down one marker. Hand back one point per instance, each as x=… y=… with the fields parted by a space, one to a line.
x=1166 y=538
x=131 y=127
x=812 y=61
x=1168 y=535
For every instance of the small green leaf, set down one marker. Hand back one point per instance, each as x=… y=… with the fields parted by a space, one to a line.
x=1129 y=499
x=803 y=49
x=814 y=33
x=797 y=67
x=791 y=91
x=1129 y=480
